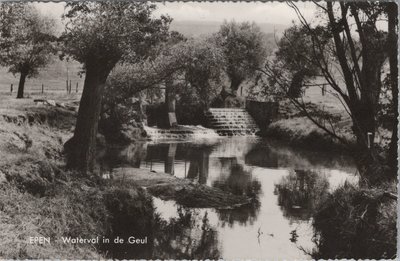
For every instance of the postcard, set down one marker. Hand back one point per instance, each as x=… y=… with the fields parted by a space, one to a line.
x=198 y=130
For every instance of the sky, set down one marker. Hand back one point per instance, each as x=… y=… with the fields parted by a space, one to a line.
x=270 y=12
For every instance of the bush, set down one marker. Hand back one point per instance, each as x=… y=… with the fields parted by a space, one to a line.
x=357 y=223
x=132 y=214
x=122 y=123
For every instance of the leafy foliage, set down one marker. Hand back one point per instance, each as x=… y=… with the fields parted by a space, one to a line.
x=297 y=57
x=27 y=38
x=202 y=68
x=244 y=50
x=108 y=32
x=195 y=65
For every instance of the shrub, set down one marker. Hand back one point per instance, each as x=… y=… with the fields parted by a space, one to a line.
x=357 y=223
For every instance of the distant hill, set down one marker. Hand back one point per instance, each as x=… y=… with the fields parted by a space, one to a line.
x=198 y=28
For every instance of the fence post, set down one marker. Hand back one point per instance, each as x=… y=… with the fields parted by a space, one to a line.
x=11 y=88
x=67 y=85
x=76 y=87
x=70 y=86
x=370 y=140
x=42 y=88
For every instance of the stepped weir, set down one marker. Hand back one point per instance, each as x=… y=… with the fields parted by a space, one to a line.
x=231 y=122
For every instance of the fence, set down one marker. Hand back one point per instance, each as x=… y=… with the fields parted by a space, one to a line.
x=44 y=88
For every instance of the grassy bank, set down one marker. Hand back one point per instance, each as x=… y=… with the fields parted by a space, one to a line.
x=358 y=223
x=40 y=198
x=302 y=132
x=298 y=130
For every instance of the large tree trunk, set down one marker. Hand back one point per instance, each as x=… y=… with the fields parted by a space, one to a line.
x=392 y=41
x=21 y=85
x=296 y=85
x=81 y=149
x=170 y=95
x=362 y=104
x=235 y=83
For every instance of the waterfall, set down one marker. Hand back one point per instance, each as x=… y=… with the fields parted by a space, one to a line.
x=231 y=122
x=181 y=132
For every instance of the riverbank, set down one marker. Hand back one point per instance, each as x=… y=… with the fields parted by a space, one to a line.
x=294 y=128
x=354 y=221
x=39 y=197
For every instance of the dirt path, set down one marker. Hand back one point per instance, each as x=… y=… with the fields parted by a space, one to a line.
x=183 y=191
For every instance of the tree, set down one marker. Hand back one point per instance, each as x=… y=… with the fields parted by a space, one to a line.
x=202 y=68
x=190 y=71
x=294 y=45
x=99 y=35
x=357 y=55
x=27 y=40
x=244 y=50
x=392 y=13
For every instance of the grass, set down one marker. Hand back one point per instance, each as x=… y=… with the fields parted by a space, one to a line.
x=302 y=132
x=68 y=213
x=357 y=223
x=53 y=77
x=39 y=197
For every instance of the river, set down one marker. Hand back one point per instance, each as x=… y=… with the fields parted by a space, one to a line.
x=286 y=184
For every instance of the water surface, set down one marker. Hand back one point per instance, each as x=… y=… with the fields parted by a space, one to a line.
x=285 y=182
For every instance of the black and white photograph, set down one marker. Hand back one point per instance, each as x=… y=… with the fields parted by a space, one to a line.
x=219 y=130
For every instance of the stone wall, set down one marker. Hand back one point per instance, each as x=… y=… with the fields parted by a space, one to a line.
x=262 y=112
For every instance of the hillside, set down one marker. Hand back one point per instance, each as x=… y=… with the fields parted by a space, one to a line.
x=198 y=28
x=53 y=77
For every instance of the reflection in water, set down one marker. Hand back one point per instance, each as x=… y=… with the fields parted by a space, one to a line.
x=238 y=182
x=180 y=237
x=299 y=192
x=170 y=160
x=262 y=156
x=284 y=183
x=188 y=236
x=243 y=215
x=199 y=165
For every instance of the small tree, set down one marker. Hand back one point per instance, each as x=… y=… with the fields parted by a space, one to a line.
x=296 y=58
x=99 y=35
x=26 y=40
x=203 y=67
x=244 y=50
